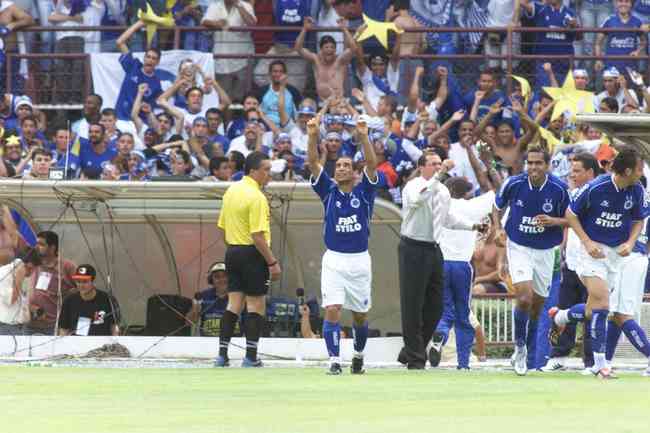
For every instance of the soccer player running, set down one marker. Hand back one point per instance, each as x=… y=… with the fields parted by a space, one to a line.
x=607 y=215
x=537 y=201
x=346 y=276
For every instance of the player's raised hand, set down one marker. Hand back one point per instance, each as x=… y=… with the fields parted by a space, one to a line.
x=594 y=250
x=142 y=88
x=496 y=107
x=478 y=95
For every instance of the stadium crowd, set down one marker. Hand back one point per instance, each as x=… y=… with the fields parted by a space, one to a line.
x=479 y=132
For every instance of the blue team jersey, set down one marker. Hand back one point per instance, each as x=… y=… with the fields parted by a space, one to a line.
x=486 y=103
x=552 y=42
x=91 y=162
x=606 y=212
x=526 y=202
x=212 y=309
x=289 y=13
x=641 y=244
x=132 y=79
x=621 y=43
x=347 y=215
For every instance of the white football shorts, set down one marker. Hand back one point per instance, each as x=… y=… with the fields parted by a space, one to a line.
x=627 y=296
x=530 y=264
x=607 y=268
x=346 y=280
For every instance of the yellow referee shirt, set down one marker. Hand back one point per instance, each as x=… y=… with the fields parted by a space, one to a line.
x=245 y=210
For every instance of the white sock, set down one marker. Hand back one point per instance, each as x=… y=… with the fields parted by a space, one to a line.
x=335 y=359
x=358 y=354
x=599 y=361
x=561 y=318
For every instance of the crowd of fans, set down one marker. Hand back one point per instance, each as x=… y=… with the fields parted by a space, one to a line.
x=412 y=105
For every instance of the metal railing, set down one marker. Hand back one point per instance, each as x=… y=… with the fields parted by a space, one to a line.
x=522 y=63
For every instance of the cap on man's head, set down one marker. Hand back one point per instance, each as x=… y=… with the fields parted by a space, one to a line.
x=218 y=266
x=333 y=136
x=307 y=110
x=85 y=273
x=580 y=73
x=22 y=100
x=611 y=73
x=283 y=136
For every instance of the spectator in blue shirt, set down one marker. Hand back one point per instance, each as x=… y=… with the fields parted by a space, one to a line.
x=620 y=43
x=137 y=72
x=553 y=16
x=94 y=152
x=279 y=99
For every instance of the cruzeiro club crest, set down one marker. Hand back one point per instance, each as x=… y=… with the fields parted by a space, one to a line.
x=548 y=206
x=628 y=202
x=355 y=203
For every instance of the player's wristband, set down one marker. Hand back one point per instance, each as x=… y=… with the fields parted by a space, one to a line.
x=270 y=265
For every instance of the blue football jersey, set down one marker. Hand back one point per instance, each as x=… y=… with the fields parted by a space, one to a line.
x=606 y=212
x=553 y=42
x=526 y=202
x=621 y=43
x=346 y=226
x=91 y=162
x=129 y=89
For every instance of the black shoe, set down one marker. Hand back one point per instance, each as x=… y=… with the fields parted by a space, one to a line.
x=435 y=350
x=402 y=358
x=415 y=366
x=357 y=365
x=335 y=369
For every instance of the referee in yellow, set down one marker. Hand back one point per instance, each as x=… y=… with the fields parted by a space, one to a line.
x=250 y=263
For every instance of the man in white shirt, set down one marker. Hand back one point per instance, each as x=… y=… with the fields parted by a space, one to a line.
x=221 y=15
x=425 y=211
x=616 y=87
x=457 y=249
x=14 y=305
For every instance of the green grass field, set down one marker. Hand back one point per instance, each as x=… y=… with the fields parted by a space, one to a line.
x=84 y=400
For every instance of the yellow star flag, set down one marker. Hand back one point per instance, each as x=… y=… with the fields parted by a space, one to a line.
x=551 y=140
x=568 y=98
x=153 y=21
x=377 y=29
x=525 y=87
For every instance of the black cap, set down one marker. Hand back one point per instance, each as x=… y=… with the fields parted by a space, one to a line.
x=85 y=273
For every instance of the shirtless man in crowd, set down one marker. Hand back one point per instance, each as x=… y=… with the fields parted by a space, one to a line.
x=485 y=260
x=12 y=18
x=329 y=69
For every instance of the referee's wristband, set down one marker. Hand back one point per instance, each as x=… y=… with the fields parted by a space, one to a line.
x=270 y=265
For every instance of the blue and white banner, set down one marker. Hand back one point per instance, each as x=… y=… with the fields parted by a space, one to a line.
x=108 y=74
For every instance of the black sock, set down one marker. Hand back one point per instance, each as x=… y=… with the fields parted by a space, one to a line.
x=254 y=325
x=228 y=321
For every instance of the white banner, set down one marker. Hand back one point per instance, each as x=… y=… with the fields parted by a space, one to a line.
x=108 y=74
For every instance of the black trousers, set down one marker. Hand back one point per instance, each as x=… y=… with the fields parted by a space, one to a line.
x=421 y=283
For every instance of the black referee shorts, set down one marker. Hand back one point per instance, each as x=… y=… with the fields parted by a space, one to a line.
x=247 y=270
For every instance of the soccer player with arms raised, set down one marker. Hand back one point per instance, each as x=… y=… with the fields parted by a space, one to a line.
x=537 y=202
x=346 y=275
x=607 y=215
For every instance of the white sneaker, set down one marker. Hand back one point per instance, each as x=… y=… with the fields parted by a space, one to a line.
x=555 y=364
x=520 y=361
x=588 y=371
